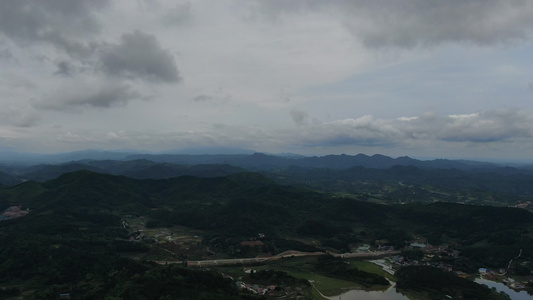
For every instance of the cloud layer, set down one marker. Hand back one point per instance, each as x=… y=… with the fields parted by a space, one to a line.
x=56 y=22
x=484 y=127
x=478 y=132
x=398 y=77
x=408 y=23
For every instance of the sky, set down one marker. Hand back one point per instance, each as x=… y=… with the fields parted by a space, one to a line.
x=447 y=79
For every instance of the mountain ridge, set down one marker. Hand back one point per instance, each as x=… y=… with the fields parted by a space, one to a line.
x=171 y=165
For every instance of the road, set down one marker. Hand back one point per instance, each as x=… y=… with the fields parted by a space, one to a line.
x=290 y=253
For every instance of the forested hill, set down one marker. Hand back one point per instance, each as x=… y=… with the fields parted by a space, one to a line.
x=8 y=179
x=75 y=235
x=334 y=173
x=85 y=189
x=141 y=169
x=450 y=180
x=244 y=204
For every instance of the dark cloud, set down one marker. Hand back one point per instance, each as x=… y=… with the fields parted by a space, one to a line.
x=58 y=22
x=81 y=94
x=411 y=23
x=64 y=68
x=407 y=23
x=139 y=55
x=202 y=98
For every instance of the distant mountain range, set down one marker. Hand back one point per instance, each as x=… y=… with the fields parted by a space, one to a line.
x=16 y=167
x=261 y=161
x=244 y=158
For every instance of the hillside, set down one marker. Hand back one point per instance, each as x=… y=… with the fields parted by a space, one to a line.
x=374 y=178
x=83 y=226
x=141 y=169
x=409 y=183
x=7 y=179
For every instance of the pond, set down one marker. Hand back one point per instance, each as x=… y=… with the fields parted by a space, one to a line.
x=389 y=294
x=522 y=295
x=392 y=294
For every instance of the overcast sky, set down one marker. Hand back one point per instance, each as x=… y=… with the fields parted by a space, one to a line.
x=450 y=79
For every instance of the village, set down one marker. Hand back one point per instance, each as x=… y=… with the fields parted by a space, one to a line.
x=184 y=245
x=442 y=258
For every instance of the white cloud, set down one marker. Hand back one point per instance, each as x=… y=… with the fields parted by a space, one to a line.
x=407 y=119
x=463 y=117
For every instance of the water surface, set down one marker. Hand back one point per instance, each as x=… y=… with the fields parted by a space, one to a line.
x=522 y=295
x=389 y=294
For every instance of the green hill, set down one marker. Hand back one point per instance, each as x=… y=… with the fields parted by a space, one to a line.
x=75 y=235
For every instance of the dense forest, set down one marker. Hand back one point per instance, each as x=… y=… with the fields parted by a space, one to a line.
x=374 y=178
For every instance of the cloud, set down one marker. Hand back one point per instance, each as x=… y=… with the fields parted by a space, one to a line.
x=74 y=28
x=139 y=55
x=178 y=15
x=116 y=136
x=5 y=54
x=299 y=116
x=202 y=98
x=98 y=94
x=478 y=128
x=491 y=126
x=64 y=68
x=57 y=22
x=408 y=23
x=16 y=81
x=27 y=120
x=364 y=131
x=428 y=131
x=24 y=117
x=70 y=137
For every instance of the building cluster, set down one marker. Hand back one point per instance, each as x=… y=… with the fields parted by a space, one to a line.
x=257 y=289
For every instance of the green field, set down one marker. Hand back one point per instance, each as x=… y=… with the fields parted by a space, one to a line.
x=372 y=268
x=301 y=267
